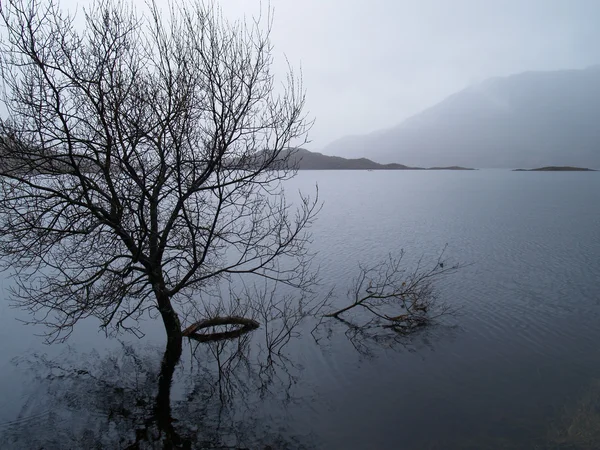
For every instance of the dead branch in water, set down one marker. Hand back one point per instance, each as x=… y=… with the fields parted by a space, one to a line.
x=403 y=299
x=246 y=325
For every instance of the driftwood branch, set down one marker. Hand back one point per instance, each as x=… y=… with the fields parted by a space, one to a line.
x=403 y=299
x=245 y=326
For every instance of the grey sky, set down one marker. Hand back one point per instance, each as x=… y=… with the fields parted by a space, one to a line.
x=369 y=64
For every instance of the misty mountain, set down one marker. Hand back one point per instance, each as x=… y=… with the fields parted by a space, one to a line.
x=306 y=160
x=531 y=119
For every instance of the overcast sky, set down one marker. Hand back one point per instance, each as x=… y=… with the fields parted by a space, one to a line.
x=369 y=64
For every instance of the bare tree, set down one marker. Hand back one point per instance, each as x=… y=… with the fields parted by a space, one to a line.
x=143 y=156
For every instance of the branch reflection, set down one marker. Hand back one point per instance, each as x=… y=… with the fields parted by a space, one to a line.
x=131 y=399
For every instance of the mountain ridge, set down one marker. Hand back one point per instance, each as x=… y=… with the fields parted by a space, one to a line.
x=531 y=119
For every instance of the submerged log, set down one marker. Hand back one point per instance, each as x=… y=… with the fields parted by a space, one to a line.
x=246 y=325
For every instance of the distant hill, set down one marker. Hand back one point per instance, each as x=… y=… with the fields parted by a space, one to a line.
x=532 y=119
x=307 y=160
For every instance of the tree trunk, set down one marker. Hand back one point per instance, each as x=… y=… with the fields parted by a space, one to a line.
x=162 y=407
x=170 y=318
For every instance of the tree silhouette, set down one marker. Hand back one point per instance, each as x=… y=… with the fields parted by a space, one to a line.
x=143 y=155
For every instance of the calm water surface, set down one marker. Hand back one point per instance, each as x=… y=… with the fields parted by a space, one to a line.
x=510 y=371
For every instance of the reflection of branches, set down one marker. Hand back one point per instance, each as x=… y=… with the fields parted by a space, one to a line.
x=402 y=299
x=113 y=401
x=90 y=401
x=277 y=314
x=282 y=314
x=256 y=361
x=369 y=338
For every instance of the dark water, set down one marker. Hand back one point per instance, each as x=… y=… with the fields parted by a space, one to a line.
x=517 y=368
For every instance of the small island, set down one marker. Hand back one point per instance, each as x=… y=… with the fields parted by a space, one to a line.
x=556 y=169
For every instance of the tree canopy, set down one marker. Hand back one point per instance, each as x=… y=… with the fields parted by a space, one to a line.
x=143 y=154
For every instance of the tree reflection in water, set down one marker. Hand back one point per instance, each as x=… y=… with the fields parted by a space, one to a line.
x=131 y=399
x=211 y=395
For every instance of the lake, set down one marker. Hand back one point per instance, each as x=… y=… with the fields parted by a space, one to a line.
x=518 y=366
